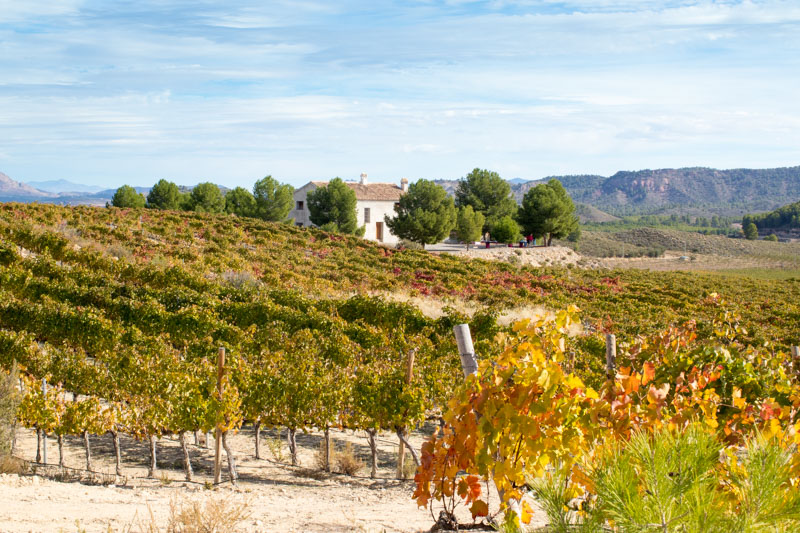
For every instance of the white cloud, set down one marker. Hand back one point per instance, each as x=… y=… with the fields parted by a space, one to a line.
x=425 y=89
x=22 y=10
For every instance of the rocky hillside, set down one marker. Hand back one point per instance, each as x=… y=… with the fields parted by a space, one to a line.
x=726 y=192
x=696 y=191
x=13 y=189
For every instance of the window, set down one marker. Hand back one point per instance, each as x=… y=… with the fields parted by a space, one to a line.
x=366 y=215
x=299 y=206
x=299 y=224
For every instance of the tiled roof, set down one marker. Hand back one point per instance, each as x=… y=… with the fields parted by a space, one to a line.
x=388 y=192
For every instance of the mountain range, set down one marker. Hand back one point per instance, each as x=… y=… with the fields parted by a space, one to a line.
x=695 y=191
x=64 y=186
x=14 y=189
x=59 y=191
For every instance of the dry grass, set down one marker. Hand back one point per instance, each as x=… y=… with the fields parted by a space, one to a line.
x=275 y=447
x=346 y=461
x=432 y=307
x=11 y=465
x=509 y=316
x=120 y=252
x=215 y=515
x=319 y=456
x=409 y=468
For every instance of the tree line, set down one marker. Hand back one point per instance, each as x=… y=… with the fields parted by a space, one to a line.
x=785 y=217
x=484 y=204
x=426 y=214
x=270 y=200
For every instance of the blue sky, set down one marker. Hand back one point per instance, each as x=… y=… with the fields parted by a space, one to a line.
x=107 y=92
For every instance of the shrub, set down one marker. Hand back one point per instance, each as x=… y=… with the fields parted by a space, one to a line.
x=275 y=447
x=346 y=461
x=506 y=230
x=405 y=244
x=212 y=516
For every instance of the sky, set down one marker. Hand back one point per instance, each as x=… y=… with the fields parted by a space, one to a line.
x=113 y=92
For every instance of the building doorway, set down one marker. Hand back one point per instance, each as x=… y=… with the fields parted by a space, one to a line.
x=379 y=231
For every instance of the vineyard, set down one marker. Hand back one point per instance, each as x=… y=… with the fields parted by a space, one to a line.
x=123 y=312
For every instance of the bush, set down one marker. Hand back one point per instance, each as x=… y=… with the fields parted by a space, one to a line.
x=126 y=196
x=346 y=461
x=215 y=515
x=405 y=244
x=275 y=447
x=506 y=230
x=11 y=465
x=675 y=481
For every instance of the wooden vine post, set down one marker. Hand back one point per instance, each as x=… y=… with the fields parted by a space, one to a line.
x=218 y=434
x=611 y=355
x=469 y=365
x=44 y=433
x=401 y=450
x=469 y=362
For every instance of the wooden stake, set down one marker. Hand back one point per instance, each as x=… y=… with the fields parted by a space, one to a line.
x=218 y=435
x=611 y=355
x=88 y=447
x=44 y=434
x=469 y=362
x=257 y=428
x=327 y=449
x=401 y=450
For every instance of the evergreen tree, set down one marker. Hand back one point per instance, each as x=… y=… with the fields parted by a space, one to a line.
x=240 y=202
x=425 y=214
x=273 y=200
x=750 y=232
x=506 y=230
x=333 y=208
x=164 y=195
x=547 y=211
x=207 y=198
x=488 y=194
x=469 y=225
x=126 y=196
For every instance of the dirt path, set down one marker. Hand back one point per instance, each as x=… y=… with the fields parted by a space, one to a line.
x=279 y=497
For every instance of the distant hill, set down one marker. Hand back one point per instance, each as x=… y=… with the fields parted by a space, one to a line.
x=697 y=191
x=64 y=186
x=589 y=213
x=10 y=189
x=700 y=191
x=65 y=192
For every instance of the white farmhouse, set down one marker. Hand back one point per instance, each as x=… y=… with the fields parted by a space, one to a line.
x=373 y=202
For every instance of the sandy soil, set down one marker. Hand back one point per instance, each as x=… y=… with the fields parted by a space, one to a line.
x=279 y=497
